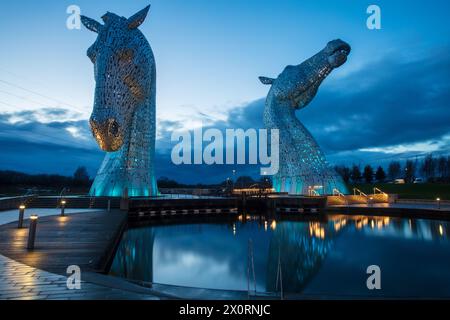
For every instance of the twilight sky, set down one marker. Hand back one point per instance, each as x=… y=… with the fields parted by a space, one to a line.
x=390 y=100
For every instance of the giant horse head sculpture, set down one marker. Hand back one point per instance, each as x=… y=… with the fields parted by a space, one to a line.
x=123 y=64
x=297 y=85
x=303 y=167
x=123 y=115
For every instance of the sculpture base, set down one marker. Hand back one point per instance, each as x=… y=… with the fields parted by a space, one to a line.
x=115 y=179
x=309 y=186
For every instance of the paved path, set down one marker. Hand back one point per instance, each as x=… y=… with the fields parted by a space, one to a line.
x=19 y=281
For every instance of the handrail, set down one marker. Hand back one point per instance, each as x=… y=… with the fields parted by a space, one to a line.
x=250 y=260
x=279 y=275
x=355 y=190
x=336 y=192
x=375 y=190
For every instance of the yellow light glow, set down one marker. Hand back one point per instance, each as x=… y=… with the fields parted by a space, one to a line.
x=34 y=217
x=63 y=202
x=22 y=207
x=265 y=225
x=441 y=230
x=273 y=225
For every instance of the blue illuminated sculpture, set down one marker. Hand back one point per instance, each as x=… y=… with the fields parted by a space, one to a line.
x=303 y=168
x=123 y=117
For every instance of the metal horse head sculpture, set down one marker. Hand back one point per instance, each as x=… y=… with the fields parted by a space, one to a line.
x=123 y=116
x=303 y=167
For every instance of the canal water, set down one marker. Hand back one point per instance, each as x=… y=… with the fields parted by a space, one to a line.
x=312 y=258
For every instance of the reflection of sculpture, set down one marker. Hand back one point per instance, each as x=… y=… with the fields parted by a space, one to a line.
x=123 y=118
x=301 y=254
x=302 y=163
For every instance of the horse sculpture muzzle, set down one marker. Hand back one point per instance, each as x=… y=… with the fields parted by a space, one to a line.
x=338 y=51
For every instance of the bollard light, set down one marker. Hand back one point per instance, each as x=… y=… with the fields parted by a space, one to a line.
x=63 y=206
x=32 y=231
x=438 y=202
x=21 y=213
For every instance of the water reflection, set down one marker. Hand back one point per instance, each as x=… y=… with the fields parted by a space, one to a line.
x=215 y=255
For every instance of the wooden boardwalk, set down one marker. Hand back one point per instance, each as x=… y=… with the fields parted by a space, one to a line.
x=83 y=239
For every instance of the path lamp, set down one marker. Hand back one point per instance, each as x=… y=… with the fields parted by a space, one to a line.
x=21 y=213
x=63 y=206
x=438 y=203
x=32 y=231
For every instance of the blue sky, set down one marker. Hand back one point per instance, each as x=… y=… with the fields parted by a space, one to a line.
x=390 y=100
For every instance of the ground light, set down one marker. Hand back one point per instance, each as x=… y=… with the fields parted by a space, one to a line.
x=63 y=206
x=21 y=213
x=32 y=231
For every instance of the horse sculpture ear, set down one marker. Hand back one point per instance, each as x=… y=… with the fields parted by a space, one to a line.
x=136 y=19
x=91 y=24
x=265 y=80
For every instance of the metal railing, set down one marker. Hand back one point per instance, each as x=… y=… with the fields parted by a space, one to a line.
x=357 y=192
x=250 y=264
x=378 y=191
x=279 y=275
x=339 y=194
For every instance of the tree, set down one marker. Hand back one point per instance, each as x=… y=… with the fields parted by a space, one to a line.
x=428 y=167
x=368 y=174
x=81 y=176
x=394 y=170
x=442 y=167
x=344 y=172
x=356 y=174
x=410 y=170
x=447 y=176
x=380 y=175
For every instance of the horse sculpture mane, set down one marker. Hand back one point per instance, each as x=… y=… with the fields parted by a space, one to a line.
x=303 y=167
x=123 y=116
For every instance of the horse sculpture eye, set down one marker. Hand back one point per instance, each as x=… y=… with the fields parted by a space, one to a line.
x=113 y=128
